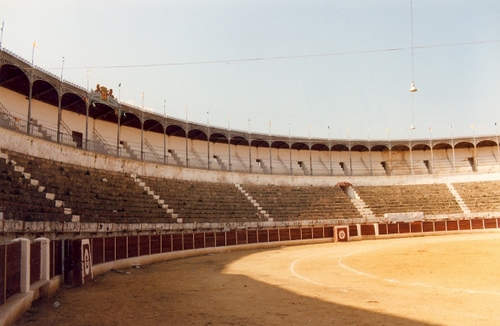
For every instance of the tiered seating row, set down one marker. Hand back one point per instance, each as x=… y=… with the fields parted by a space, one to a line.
x=92 y=194
x=203 y=201
x=307 y=202
x=98 y=195
x=20 y=200
x=480 y=196
x=432 y=199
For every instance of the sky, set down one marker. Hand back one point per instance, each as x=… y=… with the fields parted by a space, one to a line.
x=320 y=69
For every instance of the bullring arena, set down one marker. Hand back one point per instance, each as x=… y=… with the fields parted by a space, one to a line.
x=115 y=215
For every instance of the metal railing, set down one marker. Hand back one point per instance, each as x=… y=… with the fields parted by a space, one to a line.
x=107 y=147
x=200 y=161
x=176 y=157
x=66 y=127
x=4 y=110
x=153 y=152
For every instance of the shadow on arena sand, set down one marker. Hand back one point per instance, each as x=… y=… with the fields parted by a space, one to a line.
x=195 y=291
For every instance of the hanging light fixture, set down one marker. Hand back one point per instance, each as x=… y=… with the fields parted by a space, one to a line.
x=413 y=88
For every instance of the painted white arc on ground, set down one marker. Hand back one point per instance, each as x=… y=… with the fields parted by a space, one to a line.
x=340 y=254
x=308 y=280
x=410 y=284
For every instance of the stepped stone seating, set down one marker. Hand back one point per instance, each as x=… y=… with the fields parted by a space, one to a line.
x=419 y=167
x=303 y=202
x=337 y=170
x=431 y=199
x=320 y=167
x=480 y=196
x=462 y=165
x=20 y=200
x=281 y=167
x=405 y=168
x=359 y=166
x=197 y=201
x=238 y=166
x=442 y=166
x=378 y=169
x=400 y=167
x=93 y=195
x=487 y=163
x=240 y=163
x=362 y=167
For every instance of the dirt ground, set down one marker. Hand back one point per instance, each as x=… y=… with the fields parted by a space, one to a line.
x=438 y=280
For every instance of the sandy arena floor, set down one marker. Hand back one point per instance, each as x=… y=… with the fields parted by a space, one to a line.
x=442 y=280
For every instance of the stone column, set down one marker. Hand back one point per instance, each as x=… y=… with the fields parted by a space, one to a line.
x=45 y=257
x=25 y=264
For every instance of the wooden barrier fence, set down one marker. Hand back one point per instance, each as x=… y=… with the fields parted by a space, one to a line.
x=10 y=273
x=68 y=256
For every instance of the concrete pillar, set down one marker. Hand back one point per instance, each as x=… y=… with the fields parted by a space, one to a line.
x=142 y=139
x=59 y=109
x=25 y=264
x=87 y=104
x=45 y=257
x=118 y=131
